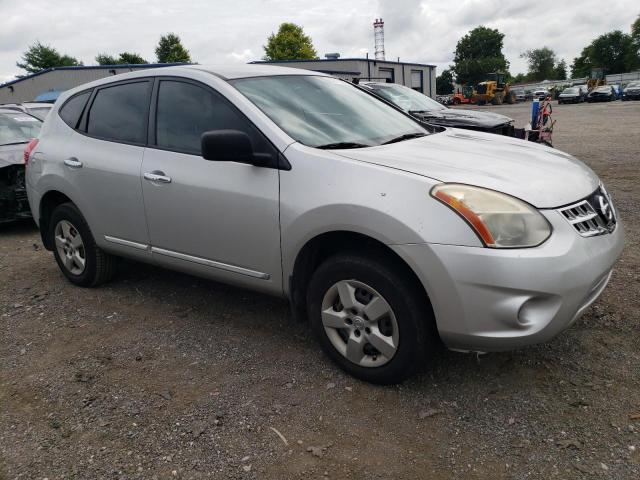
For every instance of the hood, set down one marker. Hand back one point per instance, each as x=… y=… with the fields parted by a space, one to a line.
x=12 y=154
x=463 y=118
x=570 y=94
x=542 y=176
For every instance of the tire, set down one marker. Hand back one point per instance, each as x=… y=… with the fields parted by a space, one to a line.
x=413 y=335
x=496 y=100
x=66 y=225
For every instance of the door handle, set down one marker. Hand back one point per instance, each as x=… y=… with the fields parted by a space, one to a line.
x=73 y=162
x=159 y=177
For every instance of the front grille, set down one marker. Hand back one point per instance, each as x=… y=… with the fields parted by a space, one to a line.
x=595 y=215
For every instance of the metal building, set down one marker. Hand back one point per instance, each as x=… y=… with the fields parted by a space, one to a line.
x=419 y=76
x=47 y=84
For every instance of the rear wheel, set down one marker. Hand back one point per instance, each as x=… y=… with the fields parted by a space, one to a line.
x=80 y=259
x=370 y=318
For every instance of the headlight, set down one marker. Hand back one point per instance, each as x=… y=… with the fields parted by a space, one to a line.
x=500 y=220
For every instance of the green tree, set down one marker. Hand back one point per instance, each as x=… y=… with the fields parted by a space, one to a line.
x=40 y=57
x=541 y=63
x=560 y=70
x=519 y=78
x=632 y=59
x=290 y=43
x=123 y=58
x=105 y=59
x=478 y=53
x=614 y=51
x=581 y=66
x=444 y=82
x=171 y=50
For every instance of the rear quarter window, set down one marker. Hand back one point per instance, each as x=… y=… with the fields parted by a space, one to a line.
x=119 y=113
x=72 y=110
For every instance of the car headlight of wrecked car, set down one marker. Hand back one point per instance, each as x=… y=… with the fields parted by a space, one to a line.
x=500 y=220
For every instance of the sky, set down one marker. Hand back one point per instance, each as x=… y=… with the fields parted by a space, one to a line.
x=217 y=31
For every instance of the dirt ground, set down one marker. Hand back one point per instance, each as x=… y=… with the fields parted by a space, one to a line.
x=162 y=375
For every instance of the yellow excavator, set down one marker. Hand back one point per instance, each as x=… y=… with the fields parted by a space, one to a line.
x=495 y=90
x=597 y=78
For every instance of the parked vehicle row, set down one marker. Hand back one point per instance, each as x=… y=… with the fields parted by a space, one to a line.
x=389 y=234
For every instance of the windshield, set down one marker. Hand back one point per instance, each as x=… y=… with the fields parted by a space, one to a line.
x=40 y=112
x=18 y=128
x=570 y=90
x=324 y=111
x=407 y=99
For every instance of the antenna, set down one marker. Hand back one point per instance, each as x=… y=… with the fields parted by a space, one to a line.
x=378 y=33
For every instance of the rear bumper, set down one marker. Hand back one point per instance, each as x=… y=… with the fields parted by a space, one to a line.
x=491 y=300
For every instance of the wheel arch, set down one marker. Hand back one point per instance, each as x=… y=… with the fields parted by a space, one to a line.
x=48 y=204
x=326 y=244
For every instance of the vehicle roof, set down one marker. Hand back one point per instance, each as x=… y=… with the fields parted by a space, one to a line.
x=225 y=72
x=230 y=72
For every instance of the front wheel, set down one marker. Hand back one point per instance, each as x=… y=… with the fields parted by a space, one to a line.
x=75 y=250
x=370 y=319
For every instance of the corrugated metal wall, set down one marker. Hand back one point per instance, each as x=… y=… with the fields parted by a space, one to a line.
x=29 y=88
x=371 y=69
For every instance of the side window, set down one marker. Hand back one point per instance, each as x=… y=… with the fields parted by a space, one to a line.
x=185 y=111
x=119 y=113
x=72 y=109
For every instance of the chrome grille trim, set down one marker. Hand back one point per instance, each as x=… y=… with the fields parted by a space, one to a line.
x=585 y=217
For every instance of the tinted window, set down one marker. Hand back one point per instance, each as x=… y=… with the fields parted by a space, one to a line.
x=185 y=111
x=119 y=113
x=72 y=109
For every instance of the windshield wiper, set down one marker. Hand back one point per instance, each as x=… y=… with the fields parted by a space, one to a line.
x=13 y=143
x=406 y=136
x=338 y=145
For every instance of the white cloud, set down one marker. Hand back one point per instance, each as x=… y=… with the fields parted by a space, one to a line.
x=215 y=32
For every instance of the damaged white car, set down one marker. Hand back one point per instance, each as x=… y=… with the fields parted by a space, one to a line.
x=17 y=129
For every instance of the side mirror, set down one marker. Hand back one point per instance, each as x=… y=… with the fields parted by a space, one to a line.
x=230 y=146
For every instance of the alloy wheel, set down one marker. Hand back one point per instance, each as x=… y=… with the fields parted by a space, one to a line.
x=70 y=247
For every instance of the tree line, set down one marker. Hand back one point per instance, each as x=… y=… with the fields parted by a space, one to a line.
x=40 y=56
x=289 y=43
x=480 y=52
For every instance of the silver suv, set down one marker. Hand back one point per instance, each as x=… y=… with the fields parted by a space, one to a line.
x=389 y=236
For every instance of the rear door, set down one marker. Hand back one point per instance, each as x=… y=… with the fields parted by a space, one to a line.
x=217 y=219
x=103 y=161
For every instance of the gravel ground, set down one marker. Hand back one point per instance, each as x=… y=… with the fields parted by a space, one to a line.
x=162 y=375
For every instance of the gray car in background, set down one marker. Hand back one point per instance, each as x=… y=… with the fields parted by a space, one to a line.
x=388 y=236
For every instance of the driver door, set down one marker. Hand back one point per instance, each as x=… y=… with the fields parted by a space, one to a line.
x=211 y=218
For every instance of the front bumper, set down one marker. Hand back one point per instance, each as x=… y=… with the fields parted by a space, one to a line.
x=13 y=196
x=491 y=300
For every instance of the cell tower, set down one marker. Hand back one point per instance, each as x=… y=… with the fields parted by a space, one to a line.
x=378 y=33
